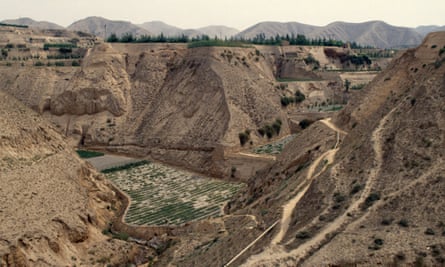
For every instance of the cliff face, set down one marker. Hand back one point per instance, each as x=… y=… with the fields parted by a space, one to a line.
x=175 y=103
x=53 y=205
x=101 y=85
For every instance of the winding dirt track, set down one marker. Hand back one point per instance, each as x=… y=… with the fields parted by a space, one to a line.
x=275 y=253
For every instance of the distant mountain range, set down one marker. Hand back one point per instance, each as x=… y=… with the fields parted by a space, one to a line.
x=34 y=24
x=372 y=33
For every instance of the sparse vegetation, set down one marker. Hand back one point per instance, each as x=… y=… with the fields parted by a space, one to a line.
x=271 y=130
x=303 y=235
x=429 y=231
x=305 y=123
x=244 y=137
x=377 y=244
x=347 y=84
x=356 y=188
x=441 y=51
x=369 y=201
x=358 y=86
x=403 y=223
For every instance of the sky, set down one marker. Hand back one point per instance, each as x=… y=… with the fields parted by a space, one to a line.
x=239 y=14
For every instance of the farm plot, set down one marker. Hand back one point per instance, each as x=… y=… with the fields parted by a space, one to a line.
x=161 y=195
x=275 y=147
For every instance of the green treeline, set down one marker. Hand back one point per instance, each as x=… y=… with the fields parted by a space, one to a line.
x=13 y=25
x=205 y=40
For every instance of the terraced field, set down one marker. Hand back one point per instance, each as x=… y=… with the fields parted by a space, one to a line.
x=275 y=147
x=165 y=196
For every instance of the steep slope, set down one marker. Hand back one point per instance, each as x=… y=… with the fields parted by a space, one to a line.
x=101 y=85
x=54 y=206
x=100 y=27
x=158 y=27
x=43 y=25
x=271 y=29
x=208 y=97
x=372 y=33
x=380 y=200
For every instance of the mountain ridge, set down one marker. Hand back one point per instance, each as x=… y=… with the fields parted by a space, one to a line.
x=374 y=33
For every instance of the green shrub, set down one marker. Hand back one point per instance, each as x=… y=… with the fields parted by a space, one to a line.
x=429 y=231
x=403 y=223
x=441 y=51
x=369 y=201
x=305 y=123
x=269 y=131
x=243 y=138
x=338 y=197
x=386 y=221
x=299 y=96
x=276 y=127
x=286 y=100
x=356 y=188
x=303 y=235
x=262 y=132
x=75 y=63
x=233 y=171
x=60 y=64
x=378 y=243
x=39 y=64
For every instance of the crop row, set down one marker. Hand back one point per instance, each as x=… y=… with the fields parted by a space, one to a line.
x=161 y=195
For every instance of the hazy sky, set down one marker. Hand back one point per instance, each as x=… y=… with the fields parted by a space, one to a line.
x=235 y=13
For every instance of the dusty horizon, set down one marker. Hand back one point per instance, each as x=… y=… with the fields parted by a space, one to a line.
x=239 y=15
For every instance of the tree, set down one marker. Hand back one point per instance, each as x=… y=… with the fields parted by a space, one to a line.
x=113 y=38
x=299 y=96
x=128 y=38
x=347 y=84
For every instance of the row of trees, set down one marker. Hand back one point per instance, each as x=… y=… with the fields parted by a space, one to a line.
x=260 y=39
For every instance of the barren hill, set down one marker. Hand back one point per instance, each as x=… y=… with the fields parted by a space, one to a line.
x=424 y=30
x=158 y=27
x=372 y=33
x=220 y=31
x=53 y=205
x=101 y=27
x=43 y=25
x=376 y=196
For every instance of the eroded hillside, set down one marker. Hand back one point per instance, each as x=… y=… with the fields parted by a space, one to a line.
x=378 y=199
x=53 y=205
x=184 y=106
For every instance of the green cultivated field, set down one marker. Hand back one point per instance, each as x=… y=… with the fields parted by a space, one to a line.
x=164 y=196
x=274 y=147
